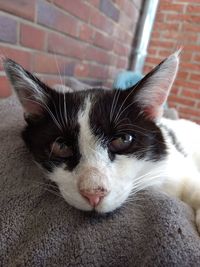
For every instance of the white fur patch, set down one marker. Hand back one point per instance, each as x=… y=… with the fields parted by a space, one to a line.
x=60 y=88
x=120 y=177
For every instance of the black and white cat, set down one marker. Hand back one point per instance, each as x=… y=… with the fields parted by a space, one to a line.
x=102 y=146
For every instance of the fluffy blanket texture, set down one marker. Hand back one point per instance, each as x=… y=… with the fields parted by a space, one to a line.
x=38 y=228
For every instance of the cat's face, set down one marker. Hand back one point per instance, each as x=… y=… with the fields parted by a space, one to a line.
x=99 y=146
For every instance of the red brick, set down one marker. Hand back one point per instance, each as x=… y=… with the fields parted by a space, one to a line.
x=20 y=56
x=95 y=3
x=86 y=33
x=191 y=94
x=186 y=56
x=175 y=90
x=81 y=70
x=192 y=48
x=191 y=27
x=21 y=8
x=180 y=100
x=98 y=55
x=183 y=18
x=32 y=37
x=8 y=29
x=97 y=71
x=190 y=66
x=90 y=70
x=122 y=63
x=152 y=51
x=77 y=8
x=191 y=37
x=187 y=116
x=195 y=77
x=163 y=43
x=193 y=1
x=65 y=46
x=121 y=34
x=166 y=6
x=130 y=9
x=153 y=60
x=52 y=17
x=45 y=63
x=182 y=75
x=101 y=22
x=166 y=26
x=127 y=22
x=51 y=80
x=109 y=9
x=103 y=41
x=197 y=58
x=156 y=34
x=187 y=85
x=147 y=69
x=172 y=105
x=193 y=9
x=120 y=3
x=120 y=49
x=187 y=110
x=5 y=89
x=160 y=17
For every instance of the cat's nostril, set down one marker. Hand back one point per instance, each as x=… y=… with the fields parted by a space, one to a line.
x=93 y=198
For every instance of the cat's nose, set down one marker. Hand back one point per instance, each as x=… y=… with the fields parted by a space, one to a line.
x=93 y=198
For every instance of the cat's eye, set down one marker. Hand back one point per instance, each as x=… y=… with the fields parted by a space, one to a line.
x=120 y=143
x=61 y=150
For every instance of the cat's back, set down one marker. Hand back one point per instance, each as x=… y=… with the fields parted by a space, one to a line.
x=185 y=133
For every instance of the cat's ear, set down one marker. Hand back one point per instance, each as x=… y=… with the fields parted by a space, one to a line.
x=29 y=89
x=152 y=91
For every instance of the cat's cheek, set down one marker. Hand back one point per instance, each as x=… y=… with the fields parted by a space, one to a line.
x=113 y=201
x=75 y=200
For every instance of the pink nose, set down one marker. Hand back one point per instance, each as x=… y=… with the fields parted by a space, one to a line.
x=93 y=198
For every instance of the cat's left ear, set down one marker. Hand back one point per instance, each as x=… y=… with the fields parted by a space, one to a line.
x=32 y=93
x=152 y=91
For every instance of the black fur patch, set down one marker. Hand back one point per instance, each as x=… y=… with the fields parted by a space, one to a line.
x=127 y=118
x=40 y=134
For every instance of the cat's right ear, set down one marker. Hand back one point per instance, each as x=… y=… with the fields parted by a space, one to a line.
x=31 y=92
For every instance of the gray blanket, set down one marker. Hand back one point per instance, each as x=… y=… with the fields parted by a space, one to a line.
x=38 y=228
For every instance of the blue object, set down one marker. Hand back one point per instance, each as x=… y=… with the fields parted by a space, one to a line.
x=126 y=79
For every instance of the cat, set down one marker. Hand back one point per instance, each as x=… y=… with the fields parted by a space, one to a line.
x=103 y=146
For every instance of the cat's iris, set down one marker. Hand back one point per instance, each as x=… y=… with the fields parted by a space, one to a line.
x=61 y=150
x=120 y=143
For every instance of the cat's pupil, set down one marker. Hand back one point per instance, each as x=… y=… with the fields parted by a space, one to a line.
x=127 y=138
x=121 y=143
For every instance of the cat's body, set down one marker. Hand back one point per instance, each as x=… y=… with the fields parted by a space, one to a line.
x=101 y=147
x=183 y=160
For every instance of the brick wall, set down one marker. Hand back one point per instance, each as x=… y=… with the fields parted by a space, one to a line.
x=178 y=24
x=90 y=40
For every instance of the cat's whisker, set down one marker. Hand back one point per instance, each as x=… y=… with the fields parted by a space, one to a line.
x=65 y=108
x=60 y=111
x=120 y=114
x=54 y=193
x=60 y=77
x=134 y=126
x=119 y=111
x=114 y=104
x=148 y=181
x=142 y=182
x=43 y=105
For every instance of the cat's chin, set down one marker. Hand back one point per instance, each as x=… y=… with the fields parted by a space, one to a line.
x=101 y=209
